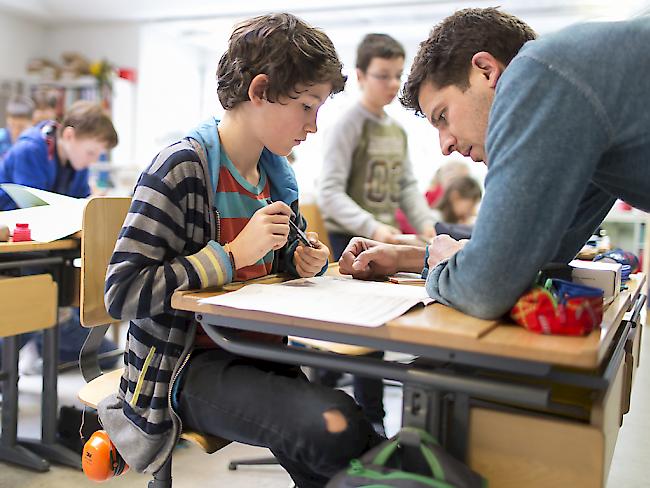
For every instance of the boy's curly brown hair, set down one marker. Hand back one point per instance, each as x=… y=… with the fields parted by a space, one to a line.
x=283 y=47
x=445 y=57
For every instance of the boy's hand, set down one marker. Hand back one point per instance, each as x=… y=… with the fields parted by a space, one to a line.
x=267 y=230
x=310 y=260
x=385 y=233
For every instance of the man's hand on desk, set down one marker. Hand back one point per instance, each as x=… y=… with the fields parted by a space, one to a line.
x=443 y=247
x=365 y=259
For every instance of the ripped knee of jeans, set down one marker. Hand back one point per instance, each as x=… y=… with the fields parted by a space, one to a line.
x=335 y=421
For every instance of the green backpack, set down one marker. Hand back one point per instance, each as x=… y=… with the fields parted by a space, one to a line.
x=428 y=465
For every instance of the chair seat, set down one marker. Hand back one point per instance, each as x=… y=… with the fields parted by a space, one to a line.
x=94 y=392
x=206 y=442
x=347 y=349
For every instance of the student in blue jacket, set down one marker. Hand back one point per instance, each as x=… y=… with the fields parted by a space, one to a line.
x=55 y=157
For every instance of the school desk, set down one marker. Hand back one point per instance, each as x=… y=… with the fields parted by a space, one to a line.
x=520 y=408
x=56 y=257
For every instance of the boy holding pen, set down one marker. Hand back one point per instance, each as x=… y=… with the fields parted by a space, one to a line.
x=200 y=217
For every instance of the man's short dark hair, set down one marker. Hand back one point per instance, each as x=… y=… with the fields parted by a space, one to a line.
x=286 y=49
x=377 y=46
x=445 y=57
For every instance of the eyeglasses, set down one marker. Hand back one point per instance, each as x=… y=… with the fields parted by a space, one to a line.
x=385 y=78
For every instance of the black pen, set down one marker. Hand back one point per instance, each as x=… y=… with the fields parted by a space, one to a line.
x=302 y=237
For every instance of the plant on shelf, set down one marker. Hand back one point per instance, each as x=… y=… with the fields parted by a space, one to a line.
x=103 y=71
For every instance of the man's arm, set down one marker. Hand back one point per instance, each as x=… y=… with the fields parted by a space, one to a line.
x=542 y=154
x=594 y=207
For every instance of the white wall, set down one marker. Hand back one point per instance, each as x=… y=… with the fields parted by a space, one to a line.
x=117 y=42
x=170 y=92
x=20 y=40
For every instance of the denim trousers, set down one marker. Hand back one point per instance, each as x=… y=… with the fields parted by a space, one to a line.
x=369 y=392
x=273 y=405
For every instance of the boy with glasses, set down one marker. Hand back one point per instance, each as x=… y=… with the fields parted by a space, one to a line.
x=367 y=176
x=366 y=172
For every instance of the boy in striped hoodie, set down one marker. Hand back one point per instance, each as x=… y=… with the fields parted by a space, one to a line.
x=201 y=216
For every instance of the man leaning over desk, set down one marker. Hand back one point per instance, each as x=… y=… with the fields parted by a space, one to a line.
x=561 y=122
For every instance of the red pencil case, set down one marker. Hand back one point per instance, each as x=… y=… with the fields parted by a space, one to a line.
x=559 y=307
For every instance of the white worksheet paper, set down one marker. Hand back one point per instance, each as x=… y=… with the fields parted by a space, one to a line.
x=50 y=216
x=327 y=298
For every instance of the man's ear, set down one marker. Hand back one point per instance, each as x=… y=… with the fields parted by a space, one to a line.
x=257 y=89
x=489 y=67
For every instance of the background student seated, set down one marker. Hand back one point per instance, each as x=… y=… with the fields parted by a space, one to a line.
x=19 y=118
x=458 y=203
x=45 y=105
x=201 y=216
x=55 y=157
x=444 y=175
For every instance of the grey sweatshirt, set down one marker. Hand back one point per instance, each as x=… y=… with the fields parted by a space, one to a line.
x=367 y=175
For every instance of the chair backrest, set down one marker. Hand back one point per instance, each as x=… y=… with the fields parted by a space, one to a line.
x=316 y=224
x=102 y=221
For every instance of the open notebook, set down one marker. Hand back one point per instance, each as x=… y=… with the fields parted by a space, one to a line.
x=328 y=298
x=50 y=216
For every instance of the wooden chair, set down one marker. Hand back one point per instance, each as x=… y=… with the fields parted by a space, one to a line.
x=27 y=304
x=102 y=221
x=315 y=223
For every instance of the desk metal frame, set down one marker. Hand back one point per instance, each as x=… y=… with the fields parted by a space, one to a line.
x=35 y=453
x=439 y=387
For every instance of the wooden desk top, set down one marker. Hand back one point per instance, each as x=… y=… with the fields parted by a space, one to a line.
x=31 y=246
x=441 y=326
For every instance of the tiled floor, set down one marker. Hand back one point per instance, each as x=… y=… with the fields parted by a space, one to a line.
x=193 y=468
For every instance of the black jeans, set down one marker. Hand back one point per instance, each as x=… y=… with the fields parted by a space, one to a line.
x=273 y=405
x=369 y=392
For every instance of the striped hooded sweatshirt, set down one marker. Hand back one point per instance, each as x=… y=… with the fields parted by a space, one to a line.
x=169 y=242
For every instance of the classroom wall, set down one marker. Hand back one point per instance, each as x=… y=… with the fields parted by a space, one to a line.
x=115 y=41
x=20 y=40
x=170 y=91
